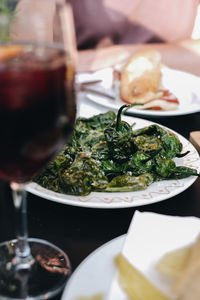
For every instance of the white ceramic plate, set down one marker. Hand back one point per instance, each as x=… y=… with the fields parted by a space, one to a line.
x=95 y=273
x=143 y=246
x=156 y=192
x=184 y=85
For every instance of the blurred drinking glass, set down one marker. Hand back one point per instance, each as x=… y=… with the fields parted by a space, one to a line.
x=37 y=113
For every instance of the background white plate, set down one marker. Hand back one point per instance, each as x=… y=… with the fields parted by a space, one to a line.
x=156 y=192
x=184 y=85
x=95 y=273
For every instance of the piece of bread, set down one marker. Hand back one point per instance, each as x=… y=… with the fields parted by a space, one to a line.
x=141 y=77
x=187 y=285
x=183 y=266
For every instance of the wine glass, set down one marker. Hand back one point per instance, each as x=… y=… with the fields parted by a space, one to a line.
x=37 y=113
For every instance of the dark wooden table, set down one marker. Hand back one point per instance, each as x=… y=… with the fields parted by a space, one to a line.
x=79 y=231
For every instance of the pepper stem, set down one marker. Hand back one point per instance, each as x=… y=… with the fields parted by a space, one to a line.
x=119 y=119
x=121 y=111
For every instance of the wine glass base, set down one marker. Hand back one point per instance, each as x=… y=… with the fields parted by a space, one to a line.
x=44 y=278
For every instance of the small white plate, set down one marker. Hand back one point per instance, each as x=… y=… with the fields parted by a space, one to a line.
x=95 y=273
x=156 y=192
x=185 y=86
x=149 y=237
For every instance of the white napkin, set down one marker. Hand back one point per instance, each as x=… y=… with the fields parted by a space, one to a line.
x=149 y=237
x=88 y=108
x=105 y=75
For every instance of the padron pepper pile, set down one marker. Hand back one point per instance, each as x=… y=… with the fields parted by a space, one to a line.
x=106 y=154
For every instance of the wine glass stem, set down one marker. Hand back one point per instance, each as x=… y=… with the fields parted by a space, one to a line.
x=23 y=253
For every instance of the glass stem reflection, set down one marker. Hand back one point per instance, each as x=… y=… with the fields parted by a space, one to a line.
x=23 y=253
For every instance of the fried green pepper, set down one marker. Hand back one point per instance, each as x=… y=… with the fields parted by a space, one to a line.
x=119 y=140
x=83 y=176
x=139 y=163
x=164 y=167
x=49 y=177
x=183 y=172
x=128 y=183
x=147 y=143
x=171 y=145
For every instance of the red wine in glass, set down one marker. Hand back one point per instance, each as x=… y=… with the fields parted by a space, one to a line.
x=36 y=110
x=37 y=113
